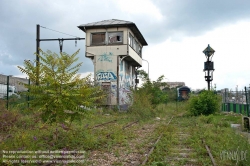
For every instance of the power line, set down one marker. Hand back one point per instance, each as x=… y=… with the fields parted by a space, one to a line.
x=58 y=31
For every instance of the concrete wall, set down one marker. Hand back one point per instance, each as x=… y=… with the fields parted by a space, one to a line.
x=14 y=81
x=126 y=82
x=106 y=60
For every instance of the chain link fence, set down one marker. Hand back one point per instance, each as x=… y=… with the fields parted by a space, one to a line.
x=10 y=91
x=236 y=101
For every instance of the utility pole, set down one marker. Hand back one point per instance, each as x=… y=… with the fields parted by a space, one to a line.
x=37 y=52
x=38 y=47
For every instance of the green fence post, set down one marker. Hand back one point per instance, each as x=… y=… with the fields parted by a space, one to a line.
x=225 y=100
x=29 y=95
x=247 y=109
x=8 y=83
x=237 y=108
x=248 y=103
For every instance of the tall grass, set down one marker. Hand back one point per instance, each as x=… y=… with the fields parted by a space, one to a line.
x=142 y=108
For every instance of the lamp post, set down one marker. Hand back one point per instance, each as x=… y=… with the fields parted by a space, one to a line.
x=209 y=65
x=148 y=66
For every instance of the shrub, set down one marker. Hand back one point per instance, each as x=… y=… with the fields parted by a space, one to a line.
x=8 y=120
x=141 y=108
x=57 y=91
x=205 y=103
x=2 y=105
x=154 y=88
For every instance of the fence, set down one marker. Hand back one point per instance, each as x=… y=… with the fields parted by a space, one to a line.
x=236 y=101
x=10 y=90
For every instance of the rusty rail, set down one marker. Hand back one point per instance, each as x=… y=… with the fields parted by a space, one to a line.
x=152 y=149
x=130 y=124
x=209 y=152
x=123 y=128
x=102 y=124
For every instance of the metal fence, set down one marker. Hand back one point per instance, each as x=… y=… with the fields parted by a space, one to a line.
x=10 y=91
x=236 y=101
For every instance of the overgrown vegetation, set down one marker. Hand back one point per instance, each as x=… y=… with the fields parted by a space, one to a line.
x=20 y=131
x=147 y=97
x=153 y=88
x=172 y=94
x=142 y=108
x=228 y=146
x=205 y=103
x=61 y=96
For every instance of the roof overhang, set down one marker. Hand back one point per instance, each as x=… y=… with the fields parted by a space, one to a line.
x=131 y=25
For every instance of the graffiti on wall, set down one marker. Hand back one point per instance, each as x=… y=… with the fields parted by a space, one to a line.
x=113 y=90
x=121 y=65
x=125 y=82
x=124 y=95
x=106 y=57
x=105 y=76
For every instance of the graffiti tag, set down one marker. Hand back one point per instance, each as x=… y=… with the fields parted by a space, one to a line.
x=105 y=76
x=106 y=57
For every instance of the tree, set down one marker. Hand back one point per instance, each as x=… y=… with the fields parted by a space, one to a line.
x=61 y=93
x=154 y=88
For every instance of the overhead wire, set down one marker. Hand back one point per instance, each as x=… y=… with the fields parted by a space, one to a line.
x=58 y=31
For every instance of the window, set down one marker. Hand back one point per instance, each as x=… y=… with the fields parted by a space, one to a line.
x=130 y=40
x=134 y=44
x=112 y=38
x=98 y=38
x=115 y=37
x=139 y=52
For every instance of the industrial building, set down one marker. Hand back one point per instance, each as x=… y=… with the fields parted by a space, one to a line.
x=115 y=48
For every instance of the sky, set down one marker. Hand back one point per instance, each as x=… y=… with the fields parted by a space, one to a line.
x=176 y=32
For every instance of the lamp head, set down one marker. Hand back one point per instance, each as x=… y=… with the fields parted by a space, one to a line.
x=208 y=51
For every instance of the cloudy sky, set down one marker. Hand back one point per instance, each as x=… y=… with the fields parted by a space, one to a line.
x=177 y=31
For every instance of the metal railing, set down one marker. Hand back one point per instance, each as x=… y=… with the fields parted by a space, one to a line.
x=10 y=90
x=236 y=101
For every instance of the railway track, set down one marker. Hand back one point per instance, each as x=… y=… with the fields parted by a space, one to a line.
x=181 y=152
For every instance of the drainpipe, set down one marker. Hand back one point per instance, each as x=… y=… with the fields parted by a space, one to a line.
x=117 y=87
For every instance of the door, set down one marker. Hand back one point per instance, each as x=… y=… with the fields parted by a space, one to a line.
x=106 y=87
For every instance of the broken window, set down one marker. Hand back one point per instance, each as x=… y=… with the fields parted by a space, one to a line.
x=115 y=37
x=98 y=38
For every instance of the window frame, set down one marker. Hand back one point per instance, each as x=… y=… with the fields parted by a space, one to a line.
x=106 y=39
x=119 y=42
x=97 y=44
x=135 y=44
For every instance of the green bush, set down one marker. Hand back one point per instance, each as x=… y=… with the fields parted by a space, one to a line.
x=57 y=91
x=154 y=88
x=141 y=108
x=205 y=103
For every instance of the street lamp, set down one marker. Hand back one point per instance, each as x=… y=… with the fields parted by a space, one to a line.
x=209 y=65
x=148 y=66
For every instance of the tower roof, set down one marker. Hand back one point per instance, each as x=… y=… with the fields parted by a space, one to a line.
x=115 y=23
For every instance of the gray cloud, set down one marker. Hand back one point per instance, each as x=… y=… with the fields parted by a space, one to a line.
x=193 y=17
x=18 y=21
